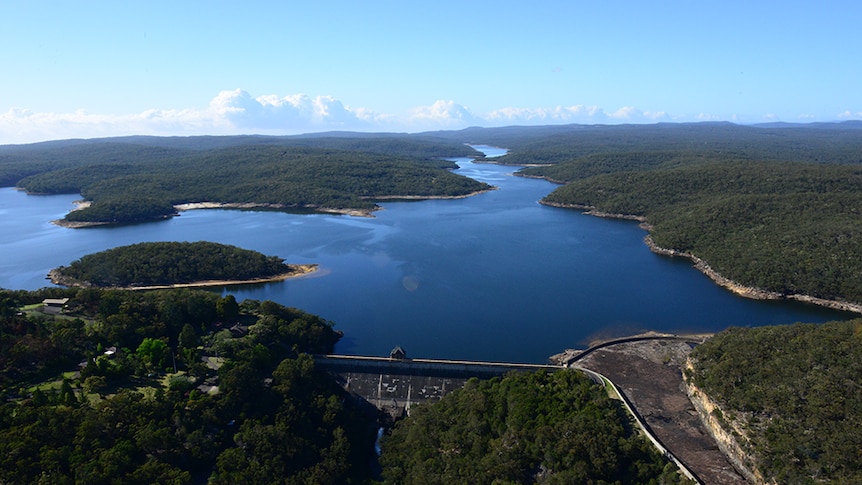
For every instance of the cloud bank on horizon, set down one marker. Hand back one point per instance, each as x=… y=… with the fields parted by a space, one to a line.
x=233 y=112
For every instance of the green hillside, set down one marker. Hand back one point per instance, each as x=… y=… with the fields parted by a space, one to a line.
x=134 y=182
x=793 y=390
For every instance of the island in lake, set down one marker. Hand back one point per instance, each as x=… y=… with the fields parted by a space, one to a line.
x=155 y=265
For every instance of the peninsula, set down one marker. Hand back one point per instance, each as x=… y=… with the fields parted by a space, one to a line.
x=125 y=181
x=763 y=217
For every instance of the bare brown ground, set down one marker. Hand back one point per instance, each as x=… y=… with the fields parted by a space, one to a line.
x=649 y=373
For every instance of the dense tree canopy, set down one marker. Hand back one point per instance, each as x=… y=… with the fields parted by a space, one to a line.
x=795 y=391
x=274 y=419
x=525 y=428
x=827 y=143
x=167 y=263
x=142 y=410
x=772 y=207
x=793 y=228
x=141 y=180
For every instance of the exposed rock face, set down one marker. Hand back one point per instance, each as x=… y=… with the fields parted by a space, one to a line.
x=732 y=442
x=748 y=291
x=702 y=266
x=58 y=278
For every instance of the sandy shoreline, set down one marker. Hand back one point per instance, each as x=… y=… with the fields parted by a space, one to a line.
x=703 y=267
x=220 y=205
x=297 y=270
x=255 y=205
x=80 y=204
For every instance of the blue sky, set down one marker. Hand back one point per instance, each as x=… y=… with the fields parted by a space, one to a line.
x=89 y=69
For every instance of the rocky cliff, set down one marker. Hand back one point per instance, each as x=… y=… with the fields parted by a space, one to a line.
x=728 y=433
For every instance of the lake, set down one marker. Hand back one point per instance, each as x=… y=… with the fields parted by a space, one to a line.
x=494 y=277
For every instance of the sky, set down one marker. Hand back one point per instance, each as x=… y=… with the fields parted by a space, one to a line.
x=89 y=69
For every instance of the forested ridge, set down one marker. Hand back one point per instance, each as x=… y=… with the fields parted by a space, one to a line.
x=827 y=143
x=169 y=263
x=19 y=161
x=139 y=182
x=794 y=390
x=778 y=209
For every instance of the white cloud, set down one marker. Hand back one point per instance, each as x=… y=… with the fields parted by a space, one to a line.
x=574 y=114
x=442 y=114
x=707 y=117
x=229 y=112
x=238 y=112
x=559 y=114
x=24 y=126
x=294 y=113
x=630 y=114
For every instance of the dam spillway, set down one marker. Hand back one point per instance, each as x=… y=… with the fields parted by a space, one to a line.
x=394 y=384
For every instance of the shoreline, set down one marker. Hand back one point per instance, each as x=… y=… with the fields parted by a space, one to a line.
x=702 y=266
x=428 y=197
x=539 y=177
x=515 y=164
x=80 y=204
x=257 y=205
x=77 y=224
x=297 y=270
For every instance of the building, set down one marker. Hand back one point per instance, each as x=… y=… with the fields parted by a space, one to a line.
x=398 y=353
x=54 y=306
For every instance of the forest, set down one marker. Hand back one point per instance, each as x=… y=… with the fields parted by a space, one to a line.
x=135 y=182
x=825 y=142
x=169 y=263
x=795 y=391
x=19 y=161
x=523 y=428
x=186 y=386
x=116 y=390
x=771 y=208
x=774 y=206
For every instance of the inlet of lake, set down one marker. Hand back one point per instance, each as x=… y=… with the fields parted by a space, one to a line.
x=493 y=277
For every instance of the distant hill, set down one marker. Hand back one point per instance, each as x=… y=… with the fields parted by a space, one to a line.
x=135 y=179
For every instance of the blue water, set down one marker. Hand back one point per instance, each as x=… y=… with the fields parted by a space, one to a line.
x=492 y=277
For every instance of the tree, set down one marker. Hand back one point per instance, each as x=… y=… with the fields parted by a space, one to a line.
x=227 y=308
x=67 y=395
x=154 y=352
x=188 y=338
x=94 y=384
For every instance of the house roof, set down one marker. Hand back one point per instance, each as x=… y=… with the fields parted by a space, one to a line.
x=55 y=301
